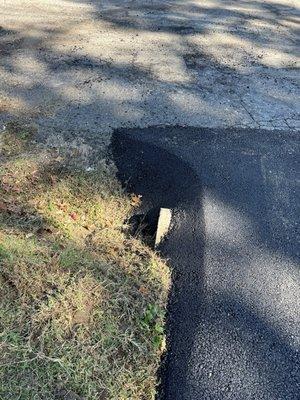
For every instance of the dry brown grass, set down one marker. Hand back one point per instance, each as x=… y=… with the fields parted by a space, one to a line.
x=81 y=301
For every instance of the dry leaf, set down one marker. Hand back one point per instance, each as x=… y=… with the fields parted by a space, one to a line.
x=135 y=200
x=143 y=290
x=62 y=207
x=74 y=216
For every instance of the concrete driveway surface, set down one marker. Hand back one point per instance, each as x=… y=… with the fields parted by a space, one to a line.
x=81 y=68
x=225 y=72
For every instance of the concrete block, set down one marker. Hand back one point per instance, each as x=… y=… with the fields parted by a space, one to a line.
x=163 y=224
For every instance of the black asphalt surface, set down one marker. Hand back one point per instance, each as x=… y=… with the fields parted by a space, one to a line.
x=234 y=309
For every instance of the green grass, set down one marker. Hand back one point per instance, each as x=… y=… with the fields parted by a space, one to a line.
x=81 y=301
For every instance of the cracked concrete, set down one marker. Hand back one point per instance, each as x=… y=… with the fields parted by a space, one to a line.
x=82 y=68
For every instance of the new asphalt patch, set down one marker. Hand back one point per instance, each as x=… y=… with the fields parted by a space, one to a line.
x=233 y=322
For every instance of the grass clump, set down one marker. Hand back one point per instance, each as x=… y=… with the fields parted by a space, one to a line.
x=81 y=301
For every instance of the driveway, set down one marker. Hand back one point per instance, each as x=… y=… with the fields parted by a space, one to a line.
x=81 y=68
x=222 y=75
x=233 y=322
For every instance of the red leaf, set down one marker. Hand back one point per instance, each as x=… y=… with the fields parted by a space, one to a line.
x=74 y=216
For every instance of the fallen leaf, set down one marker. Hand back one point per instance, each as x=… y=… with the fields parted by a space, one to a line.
x=135 y=200
x=74 y=216
x=62 y=207
x=143 y=290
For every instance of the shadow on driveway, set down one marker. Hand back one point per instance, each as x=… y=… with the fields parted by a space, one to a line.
x=233 y=309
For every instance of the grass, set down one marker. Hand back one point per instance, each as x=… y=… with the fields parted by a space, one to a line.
x=81 y=301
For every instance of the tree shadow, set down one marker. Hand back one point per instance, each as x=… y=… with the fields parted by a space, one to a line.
x=163 y=180
x=195 y=79
x=91 y=91
x=187 y=17
x=228 y=334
